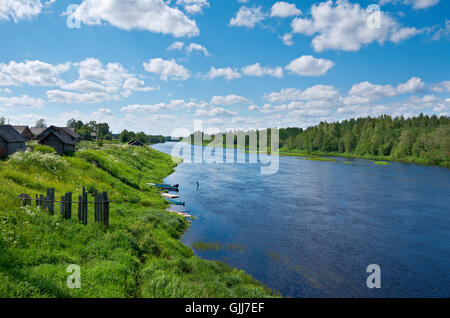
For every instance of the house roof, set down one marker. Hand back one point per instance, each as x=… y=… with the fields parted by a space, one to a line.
x=20 y=129
x=71 y=132
x=63 y=138
x=136 y=142
x=38 y=130
x=8 y=133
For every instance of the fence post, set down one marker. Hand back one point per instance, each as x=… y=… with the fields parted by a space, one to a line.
x=105 y=203
x=84 y=210
x=63 y=206
x=80 y=205
x=37 y=201
x=68 y=208
x=52 y=201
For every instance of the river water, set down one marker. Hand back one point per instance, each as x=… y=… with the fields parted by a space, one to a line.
x=312 y=228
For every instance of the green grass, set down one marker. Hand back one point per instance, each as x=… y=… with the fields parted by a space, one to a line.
x=140 y=255
x=384 y=163
x=319 y=159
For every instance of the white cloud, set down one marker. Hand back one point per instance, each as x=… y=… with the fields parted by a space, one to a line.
x=35 y=73
x=178 y=45
x=258 y=71
x=197 y=47
x=313 y=93
x=441 y=87
x=286 y=94
x=193 y=6
x=308 y=65
x=340 y=25
x=284 y=9
x=217 y=111
x=19 y=9
x=135 y=84
x=102 y=112
x=373 y=92
x=173 y=104
x=228 y=100
x=417 y=4
x=404 y=34
x=193 y=47
x=24 y=101
x=227 y=72
x=150 y=15
x=287 y=39
x=248 y=17
x=167 y=69
x=58 y=96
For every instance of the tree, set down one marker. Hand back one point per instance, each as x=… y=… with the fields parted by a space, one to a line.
x=41 y=123
x=2 y=120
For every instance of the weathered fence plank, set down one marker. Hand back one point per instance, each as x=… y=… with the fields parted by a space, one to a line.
x=47 y=203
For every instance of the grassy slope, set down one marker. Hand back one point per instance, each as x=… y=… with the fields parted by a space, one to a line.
x=138 y=256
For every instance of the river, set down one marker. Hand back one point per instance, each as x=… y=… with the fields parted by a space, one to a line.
x=312 y=228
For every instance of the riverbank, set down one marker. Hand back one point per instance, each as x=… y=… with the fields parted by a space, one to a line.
x=139 y=255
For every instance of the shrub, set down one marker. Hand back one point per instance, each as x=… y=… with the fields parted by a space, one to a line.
x=47 y=161
x=44 y=149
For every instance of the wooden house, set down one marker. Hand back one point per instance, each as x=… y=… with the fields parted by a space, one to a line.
x=24 y=131
x=10 y=141
x=58 y=141
x=136 y=143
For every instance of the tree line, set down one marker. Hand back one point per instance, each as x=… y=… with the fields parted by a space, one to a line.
x=421 y=139
x=91 y=130
x=127 y=136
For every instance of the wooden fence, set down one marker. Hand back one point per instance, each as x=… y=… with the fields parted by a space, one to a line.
x=47 y=203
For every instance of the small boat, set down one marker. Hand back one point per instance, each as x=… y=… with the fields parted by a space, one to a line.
x=170 y=196
x=165 y=186
x=176 y=202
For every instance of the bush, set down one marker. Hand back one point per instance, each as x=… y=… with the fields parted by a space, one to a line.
x=44 y=149
x=47 y=161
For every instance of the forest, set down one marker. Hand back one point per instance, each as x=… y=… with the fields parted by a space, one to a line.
x=422 y=139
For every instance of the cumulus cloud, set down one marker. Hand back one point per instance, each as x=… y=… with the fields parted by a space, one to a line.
x=258 y=71
x=191 y=48
x=227 y=72
x=316 y=92
x=375 y=92
x=59 y=96
x=416 y=4
x=173 y=104
x=248 y=17
x=441 y=87
x=24 y=101
x=284 y=9
x=134 y=84
x=287 y=39
x=195 y=47
x=217 y=111
x=35 y=73
x=228 y=100
x=167 y=69
x=193 y=6
x=150 y=15
x=340 y=25
x=19 y=9
x=308 y=65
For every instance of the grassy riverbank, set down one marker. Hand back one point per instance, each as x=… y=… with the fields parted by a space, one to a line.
x=140 y=255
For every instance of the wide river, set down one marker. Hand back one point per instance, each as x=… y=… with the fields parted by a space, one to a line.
x=312 y=228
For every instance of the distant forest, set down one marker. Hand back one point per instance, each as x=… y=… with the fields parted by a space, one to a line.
x=423 y=139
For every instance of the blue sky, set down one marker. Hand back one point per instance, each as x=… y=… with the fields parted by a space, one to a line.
x=156 y=66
